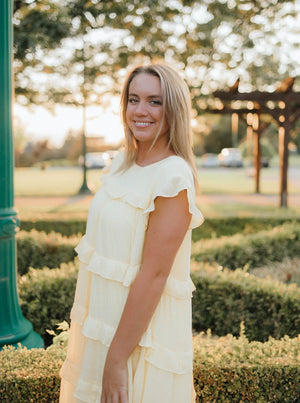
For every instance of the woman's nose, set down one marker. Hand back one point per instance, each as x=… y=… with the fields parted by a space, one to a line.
x=141 y=108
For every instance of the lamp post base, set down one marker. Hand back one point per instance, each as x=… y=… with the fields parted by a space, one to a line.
x=85 y=190
x=32 y=340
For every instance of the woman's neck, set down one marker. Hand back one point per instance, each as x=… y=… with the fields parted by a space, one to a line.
x=147 y=155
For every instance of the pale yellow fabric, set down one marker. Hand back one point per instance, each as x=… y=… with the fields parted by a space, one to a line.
x=110 y=254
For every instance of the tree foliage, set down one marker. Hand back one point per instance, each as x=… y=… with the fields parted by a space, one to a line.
x=70 y=50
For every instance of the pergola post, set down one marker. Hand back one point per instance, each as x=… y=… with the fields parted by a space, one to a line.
x=283 y=164
x=14 y=328
x=256 y=151
x=235 y=129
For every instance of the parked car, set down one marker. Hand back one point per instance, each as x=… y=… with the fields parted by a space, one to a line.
x=230 y=157
x=210 y=160
x=264 y=162
x=95 y=160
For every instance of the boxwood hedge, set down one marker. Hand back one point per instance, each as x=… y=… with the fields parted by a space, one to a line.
x=254 y=249
x=38 y=249
x=225 y=370
x=46 y=297
x=211 y=228
x=224 y=298
x=221 y=301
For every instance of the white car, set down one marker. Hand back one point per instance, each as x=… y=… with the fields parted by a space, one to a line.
x=230 y=157
x=96 y=160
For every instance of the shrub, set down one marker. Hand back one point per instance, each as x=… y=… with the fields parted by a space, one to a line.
x=211 y=228
x=37 y=249
x=65 y=227
x=225 y=370
x=287 y=271
x=253 y=249
x=46 y=297
x=217 y=227
x=223 y=299
x=234 y=370
x=30 y=375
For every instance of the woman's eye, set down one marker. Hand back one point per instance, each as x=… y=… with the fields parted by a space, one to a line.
x=132 y=100
x=155 y=102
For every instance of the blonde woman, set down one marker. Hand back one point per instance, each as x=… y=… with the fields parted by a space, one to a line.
x=131 y=335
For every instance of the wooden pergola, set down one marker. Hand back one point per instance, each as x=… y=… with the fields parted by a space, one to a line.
x=283 y=105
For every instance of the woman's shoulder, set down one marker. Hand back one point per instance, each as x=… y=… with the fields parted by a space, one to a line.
x=175 y=165
x=117 y=161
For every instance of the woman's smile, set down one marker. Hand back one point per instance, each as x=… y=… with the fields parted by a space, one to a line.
x=142 y=124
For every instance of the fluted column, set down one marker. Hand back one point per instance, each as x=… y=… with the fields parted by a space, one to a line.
x=14 y=328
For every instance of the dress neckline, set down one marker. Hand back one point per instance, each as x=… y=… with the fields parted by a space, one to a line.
x=157 y=162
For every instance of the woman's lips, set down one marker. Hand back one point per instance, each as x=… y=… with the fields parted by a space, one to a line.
x=142 y=124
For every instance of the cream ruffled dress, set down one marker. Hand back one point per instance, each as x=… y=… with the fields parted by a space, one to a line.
x=110 y=253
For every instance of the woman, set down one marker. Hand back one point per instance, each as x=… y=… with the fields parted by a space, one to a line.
x=131 y=338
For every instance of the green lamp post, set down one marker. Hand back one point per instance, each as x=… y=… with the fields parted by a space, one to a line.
x=14 y=328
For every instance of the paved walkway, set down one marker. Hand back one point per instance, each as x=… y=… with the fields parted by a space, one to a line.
x=248 y=199
x=204 y=199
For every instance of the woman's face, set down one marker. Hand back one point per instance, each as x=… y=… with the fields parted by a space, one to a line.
x=144 y=114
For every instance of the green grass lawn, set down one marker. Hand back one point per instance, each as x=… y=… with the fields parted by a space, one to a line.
x=53 y=182
x=235 y=209
x=64 y=184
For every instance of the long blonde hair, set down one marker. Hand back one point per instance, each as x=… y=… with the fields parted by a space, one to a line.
x=177 y=111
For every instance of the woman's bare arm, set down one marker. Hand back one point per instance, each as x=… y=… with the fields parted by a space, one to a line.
x=167 y=226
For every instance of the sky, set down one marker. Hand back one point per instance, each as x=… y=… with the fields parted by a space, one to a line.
x=39 y=123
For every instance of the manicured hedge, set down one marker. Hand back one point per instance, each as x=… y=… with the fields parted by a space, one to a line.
x=223 y=299
x=234 y=370
x=64 y=227
x=225 y=370
x=211 y=228
x=46 y=297
x=38 y=249
x=218 y=227
x=254 y=250
x=30 y=375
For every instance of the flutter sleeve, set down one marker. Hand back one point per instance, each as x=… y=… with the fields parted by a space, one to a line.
x=174 y=177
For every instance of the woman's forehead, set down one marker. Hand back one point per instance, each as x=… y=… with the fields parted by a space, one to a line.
x=145 y=83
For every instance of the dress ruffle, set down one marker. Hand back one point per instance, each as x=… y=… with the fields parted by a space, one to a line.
x=144 y=201
x=125 y=273
x=114 y=191
x=96 y=329
x=84 y=250
x=171 y=361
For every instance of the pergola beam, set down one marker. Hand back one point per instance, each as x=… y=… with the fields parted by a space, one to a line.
x=285 y=113
x=257 y=96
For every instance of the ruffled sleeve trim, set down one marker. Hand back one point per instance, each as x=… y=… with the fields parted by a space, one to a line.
x=172 y=188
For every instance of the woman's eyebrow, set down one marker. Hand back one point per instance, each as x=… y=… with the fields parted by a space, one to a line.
x=131 y=94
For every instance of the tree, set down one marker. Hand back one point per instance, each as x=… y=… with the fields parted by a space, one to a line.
x=38 y=25
x=212 y=41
